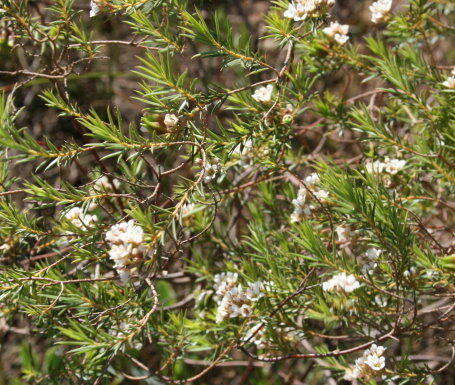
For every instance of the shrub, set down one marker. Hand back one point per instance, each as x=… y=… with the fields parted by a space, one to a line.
x=272 y=191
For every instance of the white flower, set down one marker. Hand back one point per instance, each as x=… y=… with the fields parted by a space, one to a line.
x=376 y=350
x=393 y=166
x=224 y=282
x=124 y=256
x=349 y=284
x=79 y=219
x=211 y=169
x=296 y=12
x=343 y=233
x=322 y=195
x=449 y=82
x=301 y=197
x=341 y=39
x=373 y=253
x=411 y=271
x=94 y=8
x=380 y=301
x=125 y=232
x=103 y=184
x=351 y=374
x=312 y=179
x=337 y=31
x=263 y=94
x=341 y=282
x=300 y=207
x=373 y=357
x=254 y=291
x=296 y=216
x=170 y=120
x=237 y=300
x=245 y=152
x=244 y=147
x=369 y=267
x=329 y=285
x=380 y=9
x=375 y=362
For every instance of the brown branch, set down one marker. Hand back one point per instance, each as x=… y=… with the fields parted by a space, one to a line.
x=35 y=74
x=57 y=282
x=131 y=43
x=11 y=192
x=333 y=353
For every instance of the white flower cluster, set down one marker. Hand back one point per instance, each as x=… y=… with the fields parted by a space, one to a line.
x=223 y=283
x=450 y=81
x=379 y=9
x=371 y=361
x=233 y=299
x=126 y=241
x=301 y=9
x=301 y=207
x=341 y=282
x=80 y=219
x=338 y=32
x=263 y=94
x=94 y=8
x=390 y=166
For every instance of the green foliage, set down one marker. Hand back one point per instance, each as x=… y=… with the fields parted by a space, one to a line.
x=270 y=152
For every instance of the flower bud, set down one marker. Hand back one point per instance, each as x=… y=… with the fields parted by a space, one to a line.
x=287 y=119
